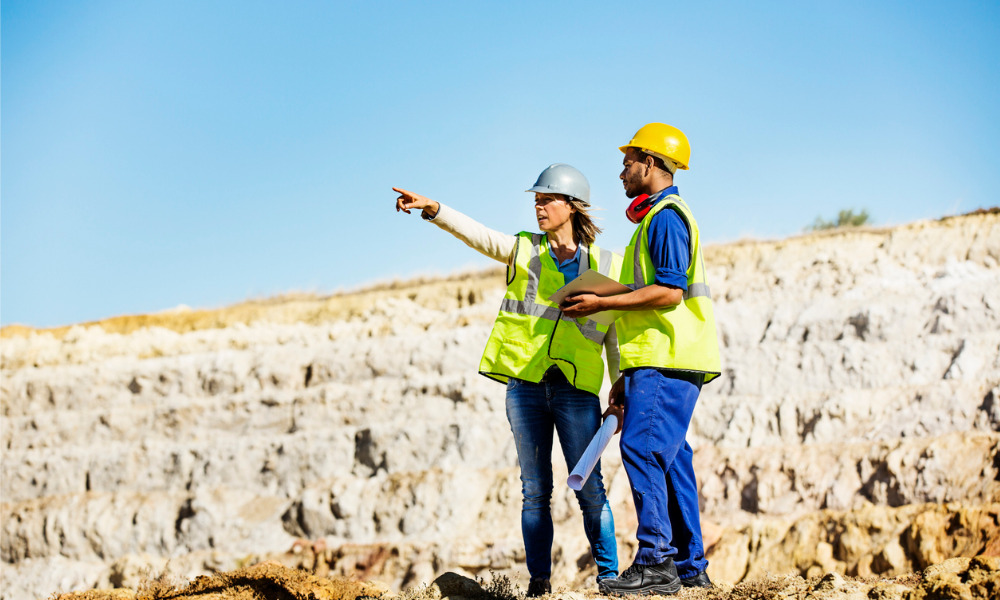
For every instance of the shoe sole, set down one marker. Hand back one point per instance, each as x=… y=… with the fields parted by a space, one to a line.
x=653 y=590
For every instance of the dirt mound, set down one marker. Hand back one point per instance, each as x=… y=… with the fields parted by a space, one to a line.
x=959 y=578
x=266 y=580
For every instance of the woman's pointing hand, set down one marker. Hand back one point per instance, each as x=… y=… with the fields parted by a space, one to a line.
x=408 y=201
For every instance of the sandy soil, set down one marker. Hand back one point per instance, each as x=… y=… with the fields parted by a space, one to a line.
x=960 y=578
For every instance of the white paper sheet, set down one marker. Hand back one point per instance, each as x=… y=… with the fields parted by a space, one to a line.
x=592 y=454
x=593 y=282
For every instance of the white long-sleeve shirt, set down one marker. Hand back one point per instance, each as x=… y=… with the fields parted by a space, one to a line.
x=500 y=247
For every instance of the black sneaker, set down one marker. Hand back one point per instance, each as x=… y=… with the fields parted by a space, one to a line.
x=700 y=580
x=538 y=586
x=639 y=579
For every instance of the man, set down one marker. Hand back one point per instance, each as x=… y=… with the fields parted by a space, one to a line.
x=669 y=349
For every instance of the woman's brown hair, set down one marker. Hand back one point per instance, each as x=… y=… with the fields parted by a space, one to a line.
x=585 y=230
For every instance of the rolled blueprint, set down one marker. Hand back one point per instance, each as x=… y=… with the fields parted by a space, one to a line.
x=592 y=454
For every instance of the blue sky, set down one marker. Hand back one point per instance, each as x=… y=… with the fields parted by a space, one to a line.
x=203 y=153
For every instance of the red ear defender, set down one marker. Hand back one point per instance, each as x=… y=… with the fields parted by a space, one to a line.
x=638 y=208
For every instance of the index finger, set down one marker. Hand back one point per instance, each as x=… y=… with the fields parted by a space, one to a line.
x=569 y=301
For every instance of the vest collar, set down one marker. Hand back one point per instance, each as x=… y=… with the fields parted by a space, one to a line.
x=660 y=195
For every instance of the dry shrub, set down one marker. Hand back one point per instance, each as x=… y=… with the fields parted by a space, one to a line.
x=160 y=586
x=419 y=592
x=500 y=587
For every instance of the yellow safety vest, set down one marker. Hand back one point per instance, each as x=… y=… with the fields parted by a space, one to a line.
x=682 y=337
x=531 y=334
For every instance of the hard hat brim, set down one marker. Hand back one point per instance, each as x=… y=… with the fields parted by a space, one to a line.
x=541 y=189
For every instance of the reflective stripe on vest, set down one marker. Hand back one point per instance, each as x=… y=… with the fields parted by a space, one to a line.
x=529 y=307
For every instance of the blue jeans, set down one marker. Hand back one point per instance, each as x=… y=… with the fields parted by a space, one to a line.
x=657 y=460
x=533 y=410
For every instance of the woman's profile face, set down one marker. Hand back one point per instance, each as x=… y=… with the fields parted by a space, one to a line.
x=552 y=211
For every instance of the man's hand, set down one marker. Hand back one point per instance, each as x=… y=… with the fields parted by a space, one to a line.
x=618 y=411
x=616 y=402
x=617 y=393
x=408 y=201
x=581 y=305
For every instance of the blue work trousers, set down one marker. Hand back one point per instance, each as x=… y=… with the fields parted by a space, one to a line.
x=657 y=459
x=534 y=411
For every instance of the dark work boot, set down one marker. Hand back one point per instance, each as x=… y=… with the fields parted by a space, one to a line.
x=700 y=580
x=641 y=580
x=538 y=586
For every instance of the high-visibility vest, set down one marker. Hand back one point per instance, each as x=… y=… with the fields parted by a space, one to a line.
x=681 y=337
x=531 y=334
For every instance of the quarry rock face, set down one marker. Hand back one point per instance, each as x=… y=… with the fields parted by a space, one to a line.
x=855 y=429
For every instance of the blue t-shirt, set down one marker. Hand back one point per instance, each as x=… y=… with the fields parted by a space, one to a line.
x=570 y=267
x=669 y=244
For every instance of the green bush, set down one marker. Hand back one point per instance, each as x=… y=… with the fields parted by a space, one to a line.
x=845 y=218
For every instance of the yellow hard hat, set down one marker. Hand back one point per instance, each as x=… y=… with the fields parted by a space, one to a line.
x=664 y=141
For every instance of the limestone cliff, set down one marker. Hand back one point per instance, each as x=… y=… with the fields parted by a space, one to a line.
x=855 y=428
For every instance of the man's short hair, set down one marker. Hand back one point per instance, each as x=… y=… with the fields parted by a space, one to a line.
x=659 y=163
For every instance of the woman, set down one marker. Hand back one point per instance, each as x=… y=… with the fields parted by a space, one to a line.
x=551 y=364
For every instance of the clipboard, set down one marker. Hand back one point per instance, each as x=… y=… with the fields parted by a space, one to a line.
x=600 y=285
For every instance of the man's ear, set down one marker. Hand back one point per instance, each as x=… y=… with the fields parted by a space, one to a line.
x=650 y=163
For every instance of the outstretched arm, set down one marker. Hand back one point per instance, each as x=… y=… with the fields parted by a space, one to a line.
x=477 y=236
